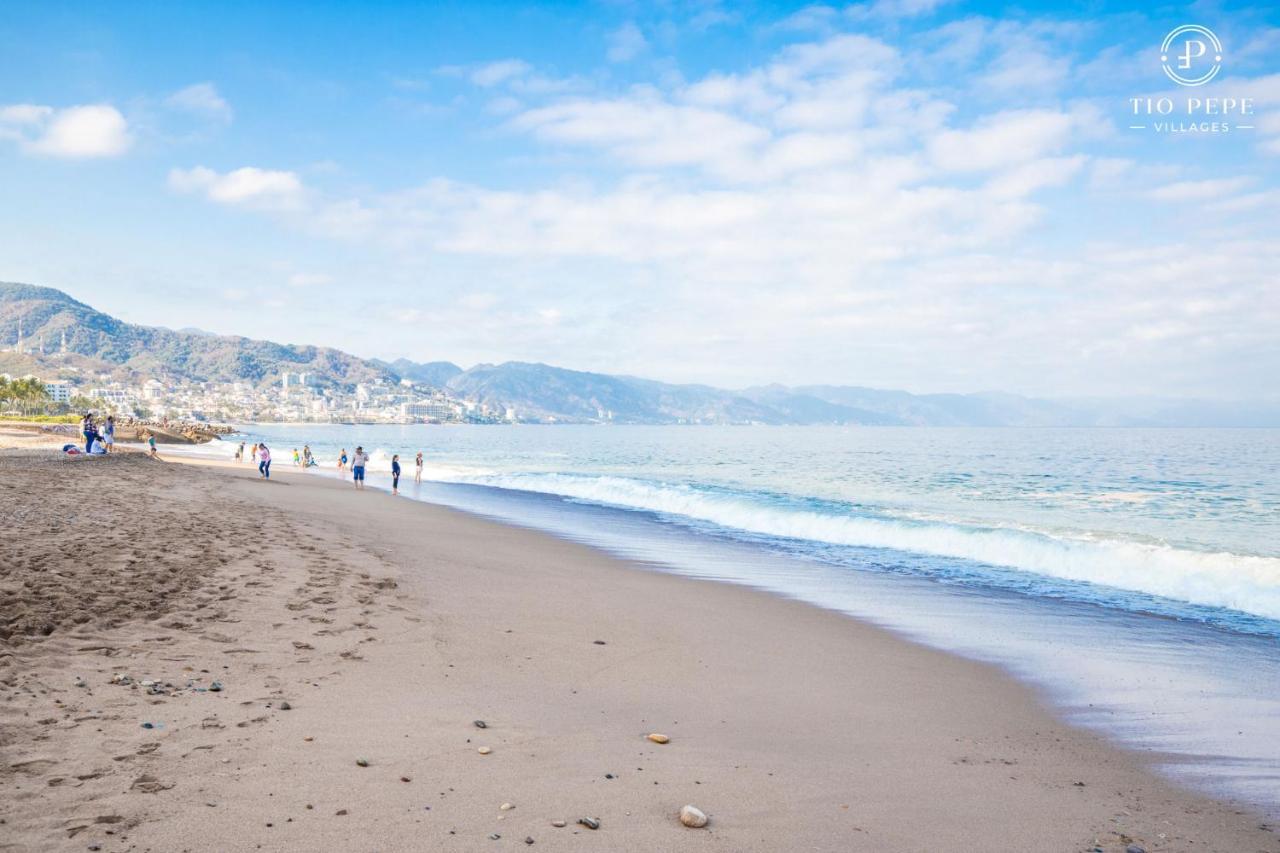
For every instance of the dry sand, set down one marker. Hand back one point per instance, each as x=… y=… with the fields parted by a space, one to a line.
x=389 y=626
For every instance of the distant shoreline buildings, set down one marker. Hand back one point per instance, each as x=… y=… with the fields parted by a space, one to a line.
x=293 y=398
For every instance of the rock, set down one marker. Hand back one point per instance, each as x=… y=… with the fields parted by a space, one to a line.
x=506 y=807
x=590 y=822
x=599 y=642
x=480 y=724
x=216 y=687
x=362 y=762
x=341 y=812
x=693 y=816
x=528 y=839
x=405 y=779
x=494 y=837
x=285 y=706
x=657 y=738
x=558 y=823
x=1135 y=848
x=484 y=750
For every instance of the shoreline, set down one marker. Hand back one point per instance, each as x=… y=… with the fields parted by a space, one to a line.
x=792 y=726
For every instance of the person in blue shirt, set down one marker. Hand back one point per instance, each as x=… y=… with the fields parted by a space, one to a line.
x=90 y=431
x=395 y=474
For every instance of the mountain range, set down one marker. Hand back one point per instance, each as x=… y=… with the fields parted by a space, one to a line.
x=97 y=342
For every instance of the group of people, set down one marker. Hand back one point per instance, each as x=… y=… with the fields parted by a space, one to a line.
x=106 y=438
x=101 y=438
x=260 y=455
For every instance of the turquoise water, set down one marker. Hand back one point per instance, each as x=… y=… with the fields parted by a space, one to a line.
x=1133 y=576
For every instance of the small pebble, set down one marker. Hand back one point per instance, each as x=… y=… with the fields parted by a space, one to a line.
x=590 y=822
x=405 y=779
x=484 y=750
x=480 y=724
x=558 y=823
x=506 y=807
x=362 y=762
x=340 y=812
x=693 y=816
x=1135 y=848
x=599 y=642
x=657 y=738
x=285 y=706
x=528 y=839
x=494 y=837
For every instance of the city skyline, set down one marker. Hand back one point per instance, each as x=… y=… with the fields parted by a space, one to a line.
x=898 y=194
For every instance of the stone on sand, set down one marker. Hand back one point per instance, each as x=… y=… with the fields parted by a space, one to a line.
x=693 y=816
x=658 y=738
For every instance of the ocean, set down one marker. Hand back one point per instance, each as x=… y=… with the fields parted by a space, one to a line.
x=1131 y=575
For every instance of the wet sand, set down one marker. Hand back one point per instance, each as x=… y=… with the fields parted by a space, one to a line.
x=388 y=627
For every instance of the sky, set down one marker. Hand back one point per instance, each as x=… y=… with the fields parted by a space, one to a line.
x=917 y=194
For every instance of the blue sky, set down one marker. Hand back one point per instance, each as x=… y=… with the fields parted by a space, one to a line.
x=898 y=193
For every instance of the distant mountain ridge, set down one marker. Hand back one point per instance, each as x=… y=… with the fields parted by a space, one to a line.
x=540 y=392
x=98 y=341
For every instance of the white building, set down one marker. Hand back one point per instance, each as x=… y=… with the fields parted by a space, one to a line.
x=59 y=392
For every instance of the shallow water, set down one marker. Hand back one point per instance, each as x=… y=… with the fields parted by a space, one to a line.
x=1133 y=575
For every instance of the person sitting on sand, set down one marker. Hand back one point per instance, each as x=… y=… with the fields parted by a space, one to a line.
x=358 y=460
x=395 y=474
x=417 y=468
x=264 y=466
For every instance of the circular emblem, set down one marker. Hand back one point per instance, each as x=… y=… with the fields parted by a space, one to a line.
x=1191 y=55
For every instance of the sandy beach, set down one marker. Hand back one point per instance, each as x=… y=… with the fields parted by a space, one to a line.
x=192 y=659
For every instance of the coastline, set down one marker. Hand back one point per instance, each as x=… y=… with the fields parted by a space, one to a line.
x=390 y=625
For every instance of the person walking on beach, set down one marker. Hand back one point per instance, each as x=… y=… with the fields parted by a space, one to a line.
x=358 y=460
x=342 y=460
x=151 y=445
x=240 y=452
x=297 y=460
x=417 y=468
x=109 y=433
x=395 y=474
x=254 y=453
x=264 y=466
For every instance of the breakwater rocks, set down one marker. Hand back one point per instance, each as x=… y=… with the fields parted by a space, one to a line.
x=169 y=431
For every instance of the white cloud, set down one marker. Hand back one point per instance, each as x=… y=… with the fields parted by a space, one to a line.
x=1207 y=190
x=499 y=72
x=201 y=99
x=626 y=43
x=96 y=130
x=303 y=280
x=997 y=140
x=249 y=186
